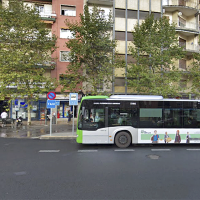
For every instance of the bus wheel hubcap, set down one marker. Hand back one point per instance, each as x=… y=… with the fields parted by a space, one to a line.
x=123 y=139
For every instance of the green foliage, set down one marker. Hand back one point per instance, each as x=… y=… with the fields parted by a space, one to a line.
x=155 y=49
x=25 y=48
x=91 y=52
x=194 y=75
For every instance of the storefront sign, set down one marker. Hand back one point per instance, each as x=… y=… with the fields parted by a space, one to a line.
x=23 y=105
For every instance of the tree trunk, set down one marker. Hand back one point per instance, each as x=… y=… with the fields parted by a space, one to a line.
x=29 y=114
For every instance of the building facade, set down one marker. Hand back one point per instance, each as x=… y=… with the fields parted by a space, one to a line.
x=53 y=13
x=126 y=14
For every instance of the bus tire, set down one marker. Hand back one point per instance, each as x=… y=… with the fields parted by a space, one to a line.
x=123 y=139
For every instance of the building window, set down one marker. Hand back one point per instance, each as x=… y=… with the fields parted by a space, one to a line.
x=120 y=35
x=183 y=83
x=39 y=8
x=120 y=13
x=66 y=33
x=100 y=86
x=143 y=15
x=119 y=81
x=182 y=22
x=182 y=43
x=157 y=15
x=64 y=56
x=182 y=64
x=132 y=14
x=68 y=10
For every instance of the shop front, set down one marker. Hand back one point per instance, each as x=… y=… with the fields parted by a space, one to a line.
x=39 y=111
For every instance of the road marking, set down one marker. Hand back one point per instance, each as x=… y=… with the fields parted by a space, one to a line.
x=86 y=151
x=49 y=151
x=193 y=149
x=20 y=173
x=160 y=149
x=124 y=150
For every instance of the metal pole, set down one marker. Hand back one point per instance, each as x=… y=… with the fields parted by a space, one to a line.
x=51 y=116
x=126 y=51
x=45 y=113
x=73 y=122
x=113 y=78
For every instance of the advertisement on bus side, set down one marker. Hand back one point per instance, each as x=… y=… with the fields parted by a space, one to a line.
x=168 y=136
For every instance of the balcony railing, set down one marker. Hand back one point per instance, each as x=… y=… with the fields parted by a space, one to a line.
x=187 y=25
x=191 y=4
x=47 y=14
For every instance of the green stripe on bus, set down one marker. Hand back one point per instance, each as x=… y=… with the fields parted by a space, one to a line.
x=95 y=97
x=79 y=138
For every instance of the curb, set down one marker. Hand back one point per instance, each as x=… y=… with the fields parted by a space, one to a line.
x=57 y=137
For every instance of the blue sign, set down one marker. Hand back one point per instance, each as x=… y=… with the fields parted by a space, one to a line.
x=51 y=103
x=57 y=103
x=23 y=105
x=73 y=99
x=16 y=102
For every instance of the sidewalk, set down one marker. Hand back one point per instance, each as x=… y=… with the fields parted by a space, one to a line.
x=40 y=130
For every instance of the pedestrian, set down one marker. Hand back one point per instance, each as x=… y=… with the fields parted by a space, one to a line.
x=4 y=115
x=69 y=116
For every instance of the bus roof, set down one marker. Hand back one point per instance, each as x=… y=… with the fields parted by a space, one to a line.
x=136 y=97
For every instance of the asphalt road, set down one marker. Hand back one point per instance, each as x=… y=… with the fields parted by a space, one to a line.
x=62 y=169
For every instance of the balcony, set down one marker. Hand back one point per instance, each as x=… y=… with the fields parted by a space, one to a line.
x=190 y=47
x=101 y=2
x=48 y=16
x=188 y=8
x=186 y=28
x=46 y=65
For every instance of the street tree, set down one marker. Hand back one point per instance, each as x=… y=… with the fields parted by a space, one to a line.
x=90 y=52
x=155 y=50
x=25 y=53
x=193 y=75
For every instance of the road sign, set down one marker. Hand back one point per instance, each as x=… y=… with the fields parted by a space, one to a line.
x=73 y=99
x=51 y=95
x=51 y=103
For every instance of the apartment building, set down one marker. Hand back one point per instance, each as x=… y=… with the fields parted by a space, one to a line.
x=185 y=14
x=53 y=13
x=128 y=13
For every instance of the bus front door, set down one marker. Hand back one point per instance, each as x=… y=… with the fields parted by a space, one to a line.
x=96 y=129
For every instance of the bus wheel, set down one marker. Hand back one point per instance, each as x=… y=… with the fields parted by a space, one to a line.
x=123 y=139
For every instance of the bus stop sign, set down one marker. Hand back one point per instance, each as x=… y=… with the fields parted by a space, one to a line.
x=73 y=99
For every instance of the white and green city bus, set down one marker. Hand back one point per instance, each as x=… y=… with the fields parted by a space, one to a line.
x=126 y=119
